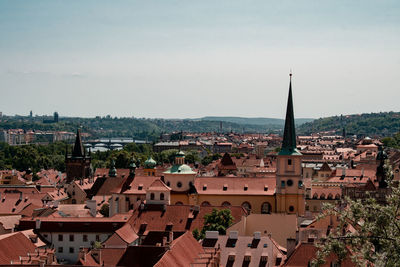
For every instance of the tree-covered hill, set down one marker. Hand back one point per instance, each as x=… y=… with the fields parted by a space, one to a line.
x=255 y=121
x=369 y=124
x=130 y=127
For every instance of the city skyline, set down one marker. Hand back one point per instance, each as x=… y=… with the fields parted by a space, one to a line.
x=190 y=59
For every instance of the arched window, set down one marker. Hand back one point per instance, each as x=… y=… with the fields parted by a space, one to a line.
x=315 y=196
x=178 y=203
x=337 y=196
x=291 y=208
x=152 y=196
x=179 y=184
x=226 y=204
x=266 y=208
x=322 y=196
x=330 y=196
x=246 y=205
x=162 y=196
x=205 y=203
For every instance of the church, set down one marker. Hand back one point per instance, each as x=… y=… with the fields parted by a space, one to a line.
x=280 y=193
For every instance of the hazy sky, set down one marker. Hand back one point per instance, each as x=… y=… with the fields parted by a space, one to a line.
x=187 y=59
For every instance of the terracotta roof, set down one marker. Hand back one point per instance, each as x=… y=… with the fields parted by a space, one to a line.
x=158 y=185
x=14 y=245
x=181 y=217
x=182 y=252
x=235 y=186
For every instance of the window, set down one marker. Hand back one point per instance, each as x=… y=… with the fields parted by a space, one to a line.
x=289 y=182
x=205 y=203
x=291 y=208
x=152 y=196
x=71 y=250
x=283 y=183
x=60 y=249
x=162 y=196
x=300 y=184
x=84 y=238
x=178 y=203
x=74 y=201
x=225 y=187
x=98 y=238
x=60 y=238
x=266 y=208
x=246 y=205
x=168 y=183
x=289 y=162
x=226 y=204
x=179 y=184
x=71 y=238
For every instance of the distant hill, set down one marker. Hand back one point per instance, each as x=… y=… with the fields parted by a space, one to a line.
x=255 y=121
x=368 y=124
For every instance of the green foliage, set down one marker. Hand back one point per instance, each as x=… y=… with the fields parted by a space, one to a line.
x=393 y=141
x=34 y=157
x=376 y=240
x=104 y=210
x=217 y=220
x=210 y=158
x=371 y=124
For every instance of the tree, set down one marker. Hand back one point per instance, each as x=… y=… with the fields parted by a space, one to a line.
x=217 y=220
x=376 y=239
x=104 y=210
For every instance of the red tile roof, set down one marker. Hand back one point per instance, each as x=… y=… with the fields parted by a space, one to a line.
x=182 y=252
x=14 y=245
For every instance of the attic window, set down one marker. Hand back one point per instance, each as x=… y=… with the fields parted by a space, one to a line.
x=13 y=210
x=265 y=187
x=245 y=187
x=204 y=187
x=225 y=187
x=140 y=187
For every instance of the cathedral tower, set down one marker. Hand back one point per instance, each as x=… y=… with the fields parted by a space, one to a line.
x=78 y=163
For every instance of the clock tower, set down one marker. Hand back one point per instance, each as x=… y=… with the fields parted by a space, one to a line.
x=289 y=181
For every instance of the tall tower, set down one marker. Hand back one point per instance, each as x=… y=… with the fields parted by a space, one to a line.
x=78 y=163
x=289 y=181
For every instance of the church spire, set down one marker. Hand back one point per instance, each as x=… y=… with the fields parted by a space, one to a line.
x=78 y=147
x=289 y=134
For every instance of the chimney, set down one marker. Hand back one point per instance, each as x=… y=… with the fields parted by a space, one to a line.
x=290 y=246
x=20 y=196
x=38 y=223
x=91 y=204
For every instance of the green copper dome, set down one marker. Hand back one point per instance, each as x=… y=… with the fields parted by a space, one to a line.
x=180 y=169
x=150 y=163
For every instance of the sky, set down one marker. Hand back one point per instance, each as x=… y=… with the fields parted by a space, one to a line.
x=189 y=59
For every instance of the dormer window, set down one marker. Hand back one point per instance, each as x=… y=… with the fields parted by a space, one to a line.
x=245 y=187
x=204 y=187
x=225 y=187
x=140 y=187
x=265 y=187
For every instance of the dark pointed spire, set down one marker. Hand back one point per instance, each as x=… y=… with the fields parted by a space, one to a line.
x=289 y=134
x=78 y=147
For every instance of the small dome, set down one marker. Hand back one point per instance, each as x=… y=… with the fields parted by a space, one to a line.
x=180 y=169
x=150 y=163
